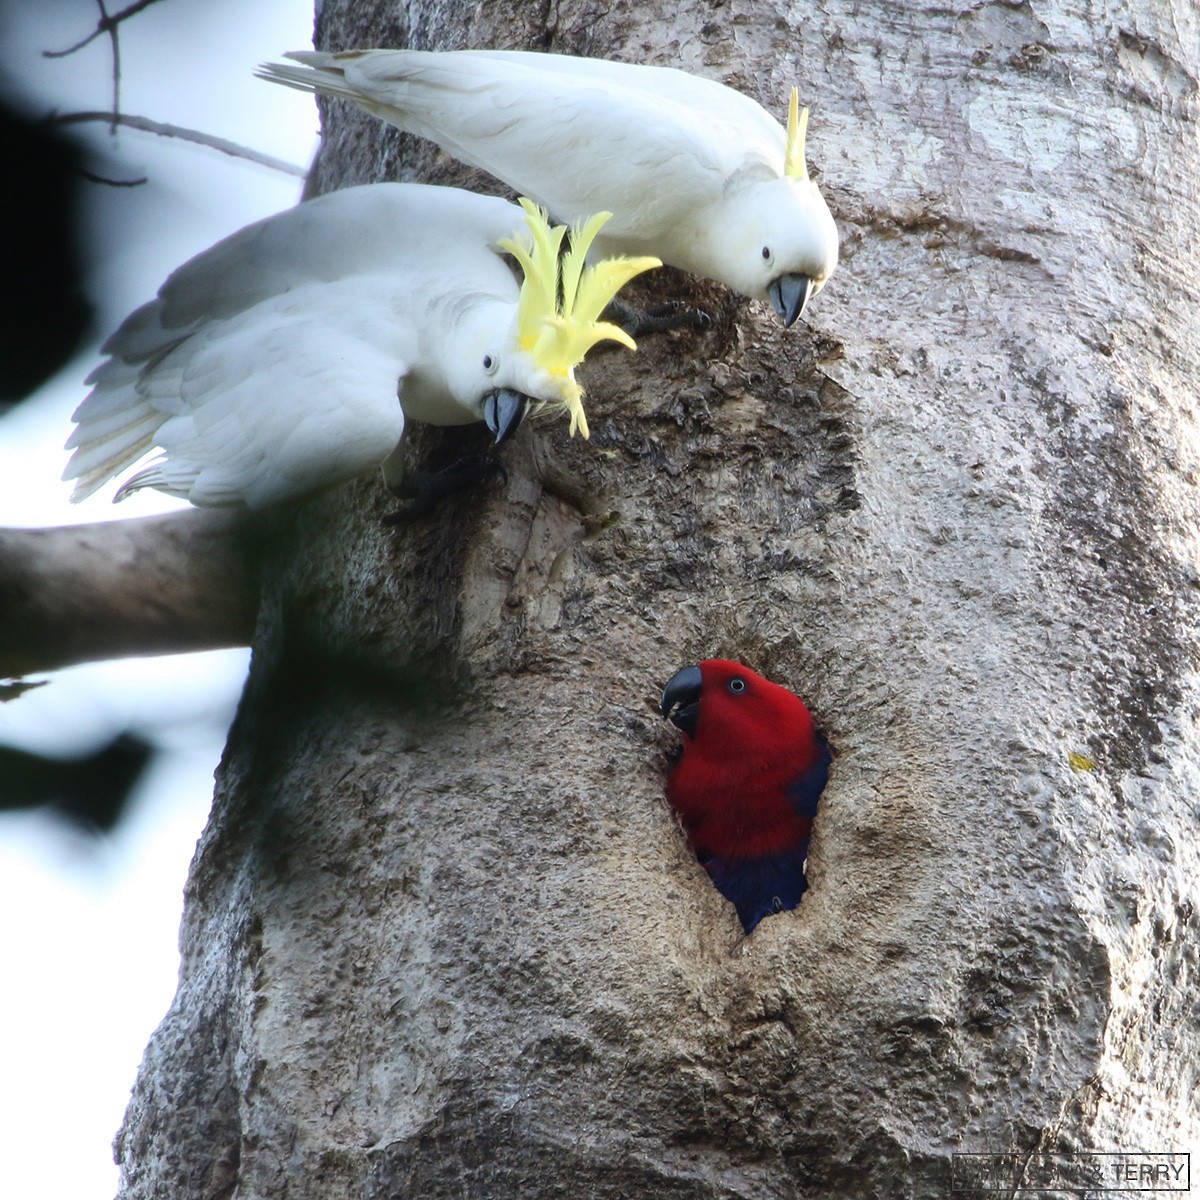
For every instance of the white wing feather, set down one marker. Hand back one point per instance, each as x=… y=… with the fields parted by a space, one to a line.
x=269 y=365
x=633 y=126
x=362 y=230
x=296 y=393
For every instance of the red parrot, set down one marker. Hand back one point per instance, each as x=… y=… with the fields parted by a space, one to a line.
x=747 y=782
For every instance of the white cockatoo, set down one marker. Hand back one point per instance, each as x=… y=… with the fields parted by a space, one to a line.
x=286 y=357
x=693 y=171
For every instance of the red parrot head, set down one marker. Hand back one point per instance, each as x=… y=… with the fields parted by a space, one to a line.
x=731 y=711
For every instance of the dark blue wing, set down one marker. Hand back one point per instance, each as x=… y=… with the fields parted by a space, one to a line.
x=805 y=790
x=759 y=887
x=774 y=883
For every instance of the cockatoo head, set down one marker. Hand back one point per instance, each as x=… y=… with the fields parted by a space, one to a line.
x=479 y=363
x=786 y=244
x=500 y=360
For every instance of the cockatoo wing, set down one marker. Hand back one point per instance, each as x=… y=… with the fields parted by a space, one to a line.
x=293 y=394
x=657 y=140
x=359 y=231
x=269 y=364
x=666 y=83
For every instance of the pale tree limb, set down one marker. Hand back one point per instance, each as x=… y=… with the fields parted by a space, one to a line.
x=156 y=585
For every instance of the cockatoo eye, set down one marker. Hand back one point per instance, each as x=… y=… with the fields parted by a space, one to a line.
x=767 y=255
x=489 y=364
x=737 y=685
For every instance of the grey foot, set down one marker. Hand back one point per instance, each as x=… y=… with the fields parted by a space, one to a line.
x=675 y=314
x=427 y=489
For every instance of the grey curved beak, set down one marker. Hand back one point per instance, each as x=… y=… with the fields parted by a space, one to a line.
x=680 y=702
x=789 y=294
x=503 y=411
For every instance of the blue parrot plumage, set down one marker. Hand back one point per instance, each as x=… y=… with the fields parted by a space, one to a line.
x=747 y=783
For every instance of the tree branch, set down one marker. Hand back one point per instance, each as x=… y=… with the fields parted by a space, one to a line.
x=158 y=585
x=146 y=125
x=106 y=24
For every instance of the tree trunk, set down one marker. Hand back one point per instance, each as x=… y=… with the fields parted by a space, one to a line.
x=443 y=935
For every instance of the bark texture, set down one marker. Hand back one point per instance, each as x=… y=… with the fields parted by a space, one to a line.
x=443 y=936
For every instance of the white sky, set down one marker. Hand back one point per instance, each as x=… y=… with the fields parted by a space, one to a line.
x=88 y=956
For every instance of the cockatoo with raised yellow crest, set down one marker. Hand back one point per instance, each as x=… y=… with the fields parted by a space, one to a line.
x=693 y=171
x=286 y=358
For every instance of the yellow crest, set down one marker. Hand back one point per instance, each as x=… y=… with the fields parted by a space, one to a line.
x=797 y=127
x=562 y=299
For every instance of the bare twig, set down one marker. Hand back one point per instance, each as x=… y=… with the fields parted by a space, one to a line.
x=106 y=24
x=109 y=24
x=115 y=39
x=104 y=179
x=188 y=135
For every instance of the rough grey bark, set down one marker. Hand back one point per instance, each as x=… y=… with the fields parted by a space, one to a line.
x=443 y=936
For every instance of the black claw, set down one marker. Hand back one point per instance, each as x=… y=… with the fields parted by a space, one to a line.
x=427 y=489
x=670 y=309
x=675 y=314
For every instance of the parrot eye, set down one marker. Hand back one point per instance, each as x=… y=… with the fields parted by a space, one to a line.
x=766 y=253
x=489 y=364
x=737 y=685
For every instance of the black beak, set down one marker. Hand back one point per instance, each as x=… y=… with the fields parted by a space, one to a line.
x=789 y=294
x=680 y=702
x=503 y=411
